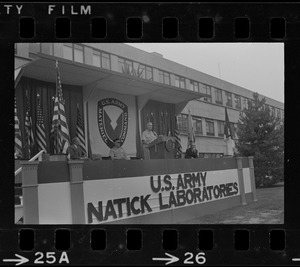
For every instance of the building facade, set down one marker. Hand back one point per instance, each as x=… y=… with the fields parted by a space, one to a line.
x=149 y=86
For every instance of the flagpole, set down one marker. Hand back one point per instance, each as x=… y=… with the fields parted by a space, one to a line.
x=56 y=66
x=27 y=114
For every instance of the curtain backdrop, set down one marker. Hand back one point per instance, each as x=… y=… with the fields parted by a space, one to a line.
x=72 y=96
x=162 y=115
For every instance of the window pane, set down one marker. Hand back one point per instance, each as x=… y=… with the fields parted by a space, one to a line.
x=78 y=53
x=177 y=81
x=185 y=122
x=191 y=86
x=229 y=99
x=67 y=52
x=148 y=73
x=196 y=87
x=33 y=48
x=218 y=94
x=197 y=124
x=238 y=102
x=47 y=48
x=160 y=76
x=105 y=61
x=128 y=66
x=182 y=83
x=121 y=64
x=221 y=128
x=166 y=78
x=141 y=70
x=210 y=128
x=96 y=60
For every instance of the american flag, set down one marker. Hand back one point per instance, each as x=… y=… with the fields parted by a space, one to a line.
x=60 y=130
x=28 y=128
x=18 y=140
x=227 y=129
x=80 y=131
x=40 y=127
x=191 y=134
x=177 y=139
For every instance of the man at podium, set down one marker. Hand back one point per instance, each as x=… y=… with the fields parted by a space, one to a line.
x=148 y=136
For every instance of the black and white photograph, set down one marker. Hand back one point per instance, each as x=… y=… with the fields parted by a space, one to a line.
x=149 y=133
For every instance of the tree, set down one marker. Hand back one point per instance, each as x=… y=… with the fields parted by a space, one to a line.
x=261 y=135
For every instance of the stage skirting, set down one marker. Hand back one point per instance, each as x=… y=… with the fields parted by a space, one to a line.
x=134 y=192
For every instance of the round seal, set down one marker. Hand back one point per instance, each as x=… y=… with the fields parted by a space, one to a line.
x=169 y=145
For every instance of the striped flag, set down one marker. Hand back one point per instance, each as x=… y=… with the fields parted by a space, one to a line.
x=40 y=127
x=28 y=128
x=80 y=131
x=227 y=129
x=191 y=135
x=18 y=140
x=60 y=130
x=177 y=139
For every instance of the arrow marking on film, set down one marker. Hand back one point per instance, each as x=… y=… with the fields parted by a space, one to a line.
x=170 y=259
x=296 y=259
x=18 y=261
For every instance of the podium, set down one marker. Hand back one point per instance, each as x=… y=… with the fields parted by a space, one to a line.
x=162 y=147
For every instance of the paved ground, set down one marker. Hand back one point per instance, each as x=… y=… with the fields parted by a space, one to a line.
x=268 y=210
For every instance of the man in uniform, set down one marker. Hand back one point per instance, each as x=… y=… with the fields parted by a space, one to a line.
x=75 y=151
x=117 y=152
x=148 y=136
x=191 y=152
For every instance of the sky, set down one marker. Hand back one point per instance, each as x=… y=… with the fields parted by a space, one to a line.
x=258 y=67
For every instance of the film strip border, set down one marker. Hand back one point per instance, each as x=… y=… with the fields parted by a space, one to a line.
x=170 y=28
x=146 y=22
x=155 y=244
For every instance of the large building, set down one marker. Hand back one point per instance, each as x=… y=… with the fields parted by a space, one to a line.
x=118 y=88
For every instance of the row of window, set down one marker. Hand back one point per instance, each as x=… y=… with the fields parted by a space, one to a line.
x=75 y=52
x=135 y=69
x=182 y=124
x=102 y=60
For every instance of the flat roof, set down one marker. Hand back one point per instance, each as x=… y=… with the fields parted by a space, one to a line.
x=74 y=73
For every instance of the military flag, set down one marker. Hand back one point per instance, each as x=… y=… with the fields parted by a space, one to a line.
x=60 y=130
x=40 y=127
x=29 y=137
x=18 y=138
x=80 y=131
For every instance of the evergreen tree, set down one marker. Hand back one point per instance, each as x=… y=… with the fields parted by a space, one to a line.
x=261 y=135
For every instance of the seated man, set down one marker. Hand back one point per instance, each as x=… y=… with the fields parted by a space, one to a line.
x=117 y=152
x=191 y=152
x=75 y=151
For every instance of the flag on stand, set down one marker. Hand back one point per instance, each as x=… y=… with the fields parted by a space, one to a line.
x=191 y=135
x=80 y=131
x=40 y=128
x=177 y=138
x=28 y=128
x=227 y=129
x=60 y=130
x=18 y=140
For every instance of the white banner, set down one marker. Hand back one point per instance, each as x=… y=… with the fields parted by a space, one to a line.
x=114 y=199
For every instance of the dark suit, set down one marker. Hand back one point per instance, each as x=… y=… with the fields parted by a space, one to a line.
x=191 y=153
x=75 y=152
